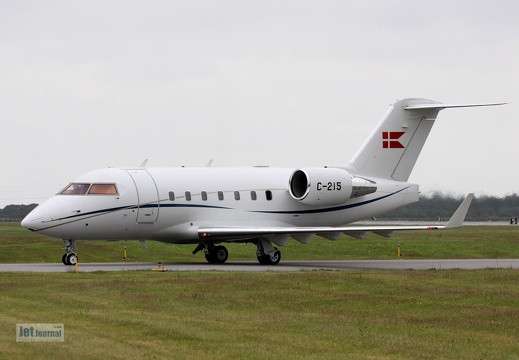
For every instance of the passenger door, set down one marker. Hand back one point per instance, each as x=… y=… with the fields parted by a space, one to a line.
x=147 y=196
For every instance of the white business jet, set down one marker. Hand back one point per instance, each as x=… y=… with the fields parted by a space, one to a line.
x=260 y=205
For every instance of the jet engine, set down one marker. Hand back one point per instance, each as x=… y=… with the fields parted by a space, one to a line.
x=327 y=186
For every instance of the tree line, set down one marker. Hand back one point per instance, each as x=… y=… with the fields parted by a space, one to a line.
x=438 y=205
x=432 y=207
x=15 y=212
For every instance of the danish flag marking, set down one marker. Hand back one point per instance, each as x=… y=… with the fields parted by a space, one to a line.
x=390 y=139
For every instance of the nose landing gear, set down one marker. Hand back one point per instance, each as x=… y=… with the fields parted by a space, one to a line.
x=70 y=257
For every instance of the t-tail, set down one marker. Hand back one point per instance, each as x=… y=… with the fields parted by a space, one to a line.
x=391 y=151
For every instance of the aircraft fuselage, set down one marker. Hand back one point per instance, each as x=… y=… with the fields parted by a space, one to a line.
x=170 y=204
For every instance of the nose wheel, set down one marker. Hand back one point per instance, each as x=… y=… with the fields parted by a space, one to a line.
x=70 y=257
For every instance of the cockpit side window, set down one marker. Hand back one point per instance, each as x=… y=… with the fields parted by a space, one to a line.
x=90 y=189
x=103 y=189
x=75 y=189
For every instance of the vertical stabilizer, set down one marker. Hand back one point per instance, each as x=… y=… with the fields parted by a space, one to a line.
x=391 y=151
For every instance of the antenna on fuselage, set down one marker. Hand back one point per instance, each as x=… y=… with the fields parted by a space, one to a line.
x=209 y=163
x=144 y=163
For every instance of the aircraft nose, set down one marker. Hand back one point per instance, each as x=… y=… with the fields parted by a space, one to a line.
x=25 y=223
x=32 y=221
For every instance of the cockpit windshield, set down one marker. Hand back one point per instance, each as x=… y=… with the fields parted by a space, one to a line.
x=75 y=189
x=89 y=189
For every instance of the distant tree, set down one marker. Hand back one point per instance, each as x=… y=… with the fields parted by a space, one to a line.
x=483 y=208
x=15 y=212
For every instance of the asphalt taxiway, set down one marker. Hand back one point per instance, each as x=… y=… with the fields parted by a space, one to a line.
x=310 y=265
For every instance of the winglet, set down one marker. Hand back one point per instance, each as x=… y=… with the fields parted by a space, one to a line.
x=457 y=219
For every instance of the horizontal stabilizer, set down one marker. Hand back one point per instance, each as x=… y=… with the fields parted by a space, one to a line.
x=446 y=106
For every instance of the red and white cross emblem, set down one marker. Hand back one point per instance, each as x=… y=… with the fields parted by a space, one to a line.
x=390 y=139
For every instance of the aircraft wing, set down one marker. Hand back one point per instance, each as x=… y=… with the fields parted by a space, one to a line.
x=303 y=234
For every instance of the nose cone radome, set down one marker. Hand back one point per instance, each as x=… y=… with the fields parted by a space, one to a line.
x=34 y=220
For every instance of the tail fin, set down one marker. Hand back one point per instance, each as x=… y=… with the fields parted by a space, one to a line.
x=391 y=151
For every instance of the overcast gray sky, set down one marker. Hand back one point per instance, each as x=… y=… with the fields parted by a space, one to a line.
x=93 y=84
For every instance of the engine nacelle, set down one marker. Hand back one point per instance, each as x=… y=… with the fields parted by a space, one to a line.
x=327 y=186
x=320 y=186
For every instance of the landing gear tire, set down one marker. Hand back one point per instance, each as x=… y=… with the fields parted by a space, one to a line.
x=262 y=259
x=275 y=258
x=267 y=259
x=72 y=259
x=216 y=255
x=69 y=259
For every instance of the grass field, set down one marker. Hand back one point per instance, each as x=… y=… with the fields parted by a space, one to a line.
x=447 y=314
x=311 y=315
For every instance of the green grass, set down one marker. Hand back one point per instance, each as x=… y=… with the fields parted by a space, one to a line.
x=313 y=315
x=18 y=245
x=448 y=314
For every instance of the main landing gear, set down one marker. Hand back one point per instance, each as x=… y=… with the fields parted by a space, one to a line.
x=70 y=257
x=213 y=254
x=265 y=253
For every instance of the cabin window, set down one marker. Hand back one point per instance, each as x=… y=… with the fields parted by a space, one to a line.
x=236 y=195
x=188 y=196
x=220 y=195
x=171 y=196
x=253 y=195
x=204 y=195
x=268 y=194
x=75 y=189
x=103 y=189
